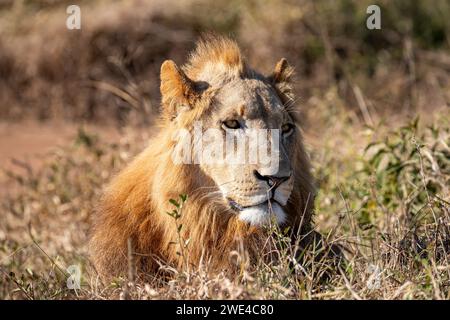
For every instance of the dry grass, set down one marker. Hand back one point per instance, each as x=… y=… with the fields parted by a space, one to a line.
x=383 y=178
x=389 y=207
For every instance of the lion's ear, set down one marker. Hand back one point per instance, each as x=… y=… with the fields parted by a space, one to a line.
x=282 y=78
x=177 y=90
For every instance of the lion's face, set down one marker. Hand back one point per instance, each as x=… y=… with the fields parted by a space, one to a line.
x=243 y=111
x=235 y=104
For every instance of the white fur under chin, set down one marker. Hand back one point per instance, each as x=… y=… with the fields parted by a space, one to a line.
x=260 y=214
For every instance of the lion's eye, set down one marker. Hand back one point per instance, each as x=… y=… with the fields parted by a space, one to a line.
x=287 y=128
x=232 y=124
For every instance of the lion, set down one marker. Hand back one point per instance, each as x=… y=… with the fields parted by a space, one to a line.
x=227 y=205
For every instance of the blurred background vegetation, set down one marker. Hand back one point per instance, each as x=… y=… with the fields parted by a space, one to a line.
x=109 y=70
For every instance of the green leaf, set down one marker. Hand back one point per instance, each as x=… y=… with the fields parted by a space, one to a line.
x=174 y=202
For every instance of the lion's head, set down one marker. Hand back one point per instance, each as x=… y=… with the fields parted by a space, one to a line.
x=219 y=95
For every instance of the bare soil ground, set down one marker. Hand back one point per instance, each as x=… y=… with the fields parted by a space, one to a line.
x=24 y=145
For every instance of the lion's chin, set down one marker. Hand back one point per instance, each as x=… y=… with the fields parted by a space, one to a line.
x=261 y=214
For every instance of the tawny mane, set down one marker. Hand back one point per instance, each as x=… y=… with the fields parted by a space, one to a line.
x=134 y=206
x=215 y=60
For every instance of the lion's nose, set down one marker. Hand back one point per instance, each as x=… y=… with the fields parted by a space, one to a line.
x=273 y=181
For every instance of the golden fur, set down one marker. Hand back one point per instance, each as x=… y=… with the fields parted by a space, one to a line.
x=135 y=203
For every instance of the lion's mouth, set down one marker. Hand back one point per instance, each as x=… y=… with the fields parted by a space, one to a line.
x=238 y=207
x=260 y=213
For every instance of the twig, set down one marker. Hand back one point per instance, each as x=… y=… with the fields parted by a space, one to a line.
x=116 y=91
x=17 y=284
x=349 y=287
x=45 y=253
x=131 y=271
x=362 y=105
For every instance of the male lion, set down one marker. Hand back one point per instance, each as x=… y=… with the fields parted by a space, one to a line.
x=227 y=203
